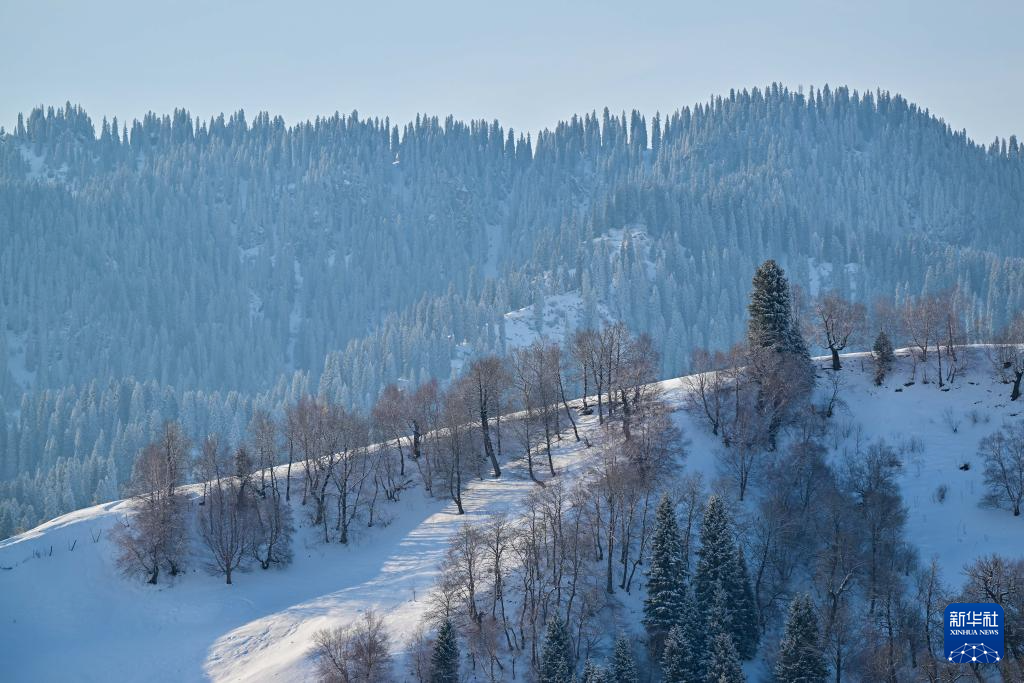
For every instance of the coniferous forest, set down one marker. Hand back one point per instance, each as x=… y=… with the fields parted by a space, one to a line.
x=174 y=269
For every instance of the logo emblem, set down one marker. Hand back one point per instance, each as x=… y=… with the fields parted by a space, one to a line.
x=974 y=633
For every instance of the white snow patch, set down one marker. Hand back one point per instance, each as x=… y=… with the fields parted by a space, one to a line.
x=562 y=315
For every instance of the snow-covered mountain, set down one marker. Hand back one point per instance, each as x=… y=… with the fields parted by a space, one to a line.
x=66 y=612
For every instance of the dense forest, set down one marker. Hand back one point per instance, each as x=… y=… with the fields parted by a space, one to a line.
x=178 y=269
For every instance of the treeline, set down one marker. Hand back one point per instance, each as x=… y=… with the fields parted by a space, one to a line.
x=342 y=466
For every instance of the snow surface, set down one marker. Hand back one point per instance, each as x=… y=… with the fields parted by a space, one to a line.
x=563 y=314
x=66 y=611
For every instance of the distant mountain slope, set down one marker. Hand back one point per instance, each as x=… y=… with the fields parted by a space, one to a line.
x=60 y=591
x=217 y=255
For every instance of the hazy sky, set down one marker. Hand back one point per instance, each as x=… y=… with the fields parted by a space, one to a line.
x=526 y=63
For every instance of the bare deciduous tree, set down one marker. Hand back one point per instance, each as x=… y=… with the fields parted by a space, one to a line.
x=1009 y=354
x=454 y=448
x=350 y=466
x=707 y=386
x=263 y=435
x=174 y=447
x=154 y=536
x=272 y=532
x=390 y=419
x=357 y=653
x=838 y=322
x=226 y=525
x=487 y=380
x=1003 y=454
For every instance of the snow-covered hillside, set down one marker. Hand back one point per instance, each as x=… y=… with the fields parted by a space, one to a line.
x=66 y=611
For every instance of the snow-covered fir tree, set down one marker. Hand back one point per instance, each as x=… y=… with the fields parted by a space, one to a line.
x=592 y=673
x=621 y=666
x=883 y=356
x=800 y=657
x=556 y=659
x=770 y=323
x=681 y=661
x=720 y=567
x=666 y=578
x=444 y=660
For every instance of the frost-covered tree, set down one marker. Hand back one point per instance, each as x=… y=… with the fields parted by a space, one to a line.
x=556 y=663
x=1003 y=455
x=153 y=537
x=723 y=661
x=721 y=567
x=883 y=356
x=681 y=661
x=444 y=661
x=622 y=664
x=771 y=323
x=800 y=658
x=666 y=578
x=839 y=321
x=592 y=673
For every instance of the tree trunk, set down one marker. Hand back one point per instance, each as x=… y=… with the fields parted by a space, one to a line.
x=609 y=588
x=288 y=477
x=836 y=365
x=1015 y=394
x=568 y=412
x=488 y=446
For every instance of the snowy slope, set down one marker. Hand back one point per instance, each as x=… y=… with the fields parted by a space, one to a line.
x=66 y=611
x=562 y=315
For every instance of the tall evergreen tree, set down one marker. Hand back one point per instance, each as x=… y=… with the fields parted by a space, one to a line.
x=666 y=580
x=724 y=661
x=680 y=662
x=556 y=659
x=800 y=657
x=771 y=323
x=592 y=673
x=444 y=660
x=883 y=355
x=716 y=555
x=622 y=667
x=720 y=566
x=746 y=632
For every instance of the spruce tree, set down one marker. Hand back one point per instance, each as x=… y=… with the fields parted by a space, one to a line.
x=746 y=632
x=666 y=580
x=556 y=659
x=622 y=667
x=720 y=565
x=716 y=555
x=444 y=661
x=771 y=323
x=724 y=661
x=592 y=673
x=883 y=355
x=785 y=374
x=800 y=658
x=681 y=662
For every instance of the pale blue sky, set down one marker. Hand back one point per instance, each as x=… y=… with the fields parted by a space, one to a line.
x=526 y=63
